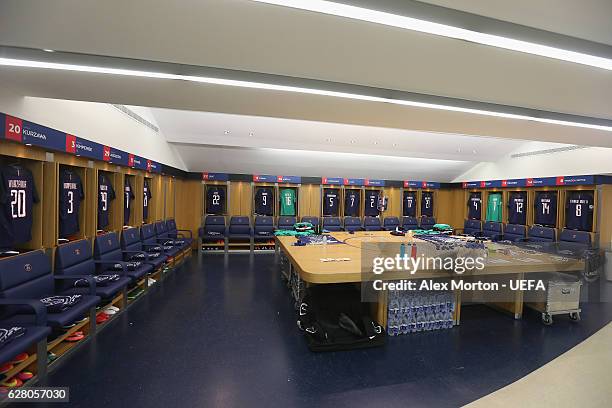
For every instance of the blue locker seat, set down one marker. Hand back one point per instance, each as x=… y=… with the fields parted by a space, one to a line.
x=515 y=232
x=264 y=228
x=372 y=224
x=410 y=223
x=34 y=335
x=75 y=258
x=574 y=242
x=181 y=236
x=352 y=224
x=132 y=245
x=493 y=230
x=541 y=234
x=391 y=223
x=108 y=248
x=427 y=223
x=332 y=224
x=214 y=229
x=313 y=220
x=27 y=278
x=286 y=222
x=239 y=229
x=169 y=245
x=471 y=227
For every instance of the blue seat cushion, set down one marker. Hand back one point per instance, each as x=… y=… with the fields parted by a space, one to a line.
x=33 y=335
x=64 y=318
x=105 y=292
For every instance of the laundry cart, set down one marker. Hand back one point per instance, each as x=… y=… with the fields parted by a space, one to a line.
x=562 y=296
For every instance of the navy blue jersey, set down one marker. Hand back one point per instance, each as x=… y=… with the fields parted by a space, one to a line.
x=146 y=197
x=215 y=200
x=475 y=206
x=409 y=204
x=70 y=196
x=264 y=201
x=545 y=207
x=106 y=193
x=17 y=197
x=331 y=199
x=517 y=207
x=128 y=196
x=427 y=203
x=371 y=203
x=579 y=211
x=352 y=200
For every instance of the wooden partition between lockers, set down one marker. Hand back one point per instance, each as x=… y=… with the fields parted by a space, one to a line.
x=241 y=198
x=309 y=196
x=189 y=208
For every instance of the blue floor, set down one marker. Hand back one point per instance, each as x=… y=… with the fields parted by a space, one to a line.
x=221 y=332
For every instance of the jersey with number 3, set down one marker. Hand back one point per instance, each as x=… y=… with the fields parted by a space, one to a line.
x=517 y=208
x=106 y=194
x=71 y=194
x=579 y=211
x=17 y=197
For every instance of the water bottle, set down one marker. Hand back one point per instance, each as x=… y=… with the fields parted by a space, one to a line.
x=412 y=323
x=420 y=321
x=403 y=326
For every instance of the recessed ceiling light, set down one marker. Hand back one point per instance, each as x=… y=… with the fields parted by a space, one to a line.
x=375 y=142
x=352 y=142
x=48 y=50
x=394 y=144
x=285 y=88
x=227 y=132
x=328 y=140
x=251 y=134
x=430 y=27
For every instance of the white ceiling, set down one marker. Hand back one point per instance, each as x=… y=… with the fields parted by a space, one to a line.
x=250 y=36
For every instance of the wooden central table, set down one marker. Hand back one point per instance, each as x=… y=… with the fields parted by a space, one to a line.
x=305 y=262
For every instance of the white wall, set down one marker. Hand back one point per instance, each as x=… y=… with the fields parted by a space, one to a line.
x=98 y=122
x=592 y=160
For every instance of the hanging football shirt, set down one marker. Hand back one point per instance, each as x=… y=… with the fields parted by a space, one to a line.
x=146 y=198
x=427 y=203
x=494 y=207
x=264 y=201
x=71 y=194
x=409 y=204
x=17 y=197
x=106 y=194
x=352 y=200
x=128 y=196
x=371 y=203
x=331 y=197
x=287 y=201
x=579 y=211
x=546 y=208
x=215 y=200
x=517 y=207
x=475 y=206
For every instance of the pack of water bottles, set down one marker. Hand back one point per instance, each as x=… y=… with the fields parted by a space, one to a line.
x=411 y=312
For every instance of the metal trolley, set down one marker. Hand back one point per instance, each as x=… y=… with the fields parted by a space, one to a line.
x=562 y=296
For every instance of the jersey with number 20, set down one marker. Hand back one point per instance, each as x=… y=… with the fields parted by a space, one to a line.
x=17 y=196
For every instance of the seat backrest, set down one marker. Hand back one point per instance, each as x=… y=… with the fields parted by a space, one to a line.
x=161 y=229
x=410 y=223
x=514 y=232
x=285 y=221
x=263 y=220
x=171 y=226
x=542 y=234
x=240 y=225
x=472 y=226
x=371 y=222
x=74 y=258
x=391 y=222
x=427 y=222
x=147 y=234
x=332 y=224
x=214 y=223
x=26 y=276
x=352 y=223
x=313 y=220
x=107 y=248
x=492 y=229
x=130 y=240
x=578 y=237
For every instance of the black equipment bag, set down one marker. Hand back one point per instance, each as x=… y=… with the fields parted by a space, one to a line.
x=333 y=318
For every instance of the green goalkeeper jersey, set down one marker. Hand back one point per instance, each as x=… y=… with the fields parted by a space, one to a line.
x=494 y=207
x=287 y=197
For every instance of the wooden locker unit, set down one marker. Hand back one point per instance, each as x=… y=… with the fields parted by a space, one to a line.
x=275 y=204
x=365 y=196
x=170 y=197
x=416 y=191
x=130 y=175
x=309 y=199
x=394 y=203
x=447 y=207
x=321 y=197
x=156 y=210
x=605 y=223
x=210 y=184
x=560 y=205
x=112 y=174
x=189 y=211
x=151 y=202
x=361 y=198
x=241 y=198
x=466 y=197
x=138 y=202
x=564 y=196
x=436 y=201
x=506 y=203
x=485 y=196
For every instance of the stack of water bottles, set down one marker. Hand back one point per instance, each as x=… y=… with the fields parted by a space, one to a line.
x=411 y=312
